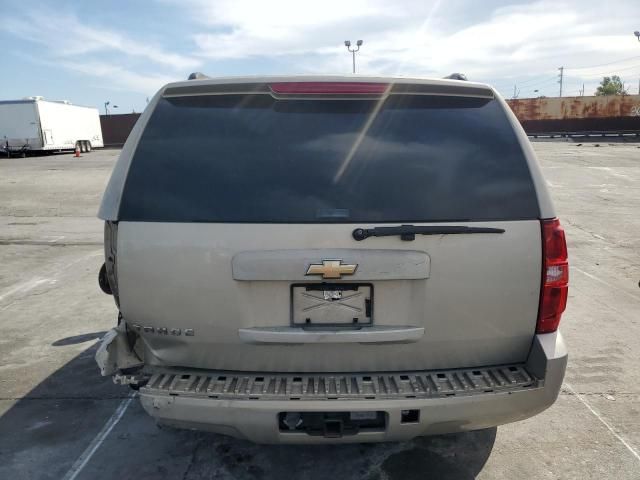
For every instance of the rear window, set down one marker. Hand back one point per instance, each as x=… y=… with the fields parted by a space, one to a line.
x=253 y=158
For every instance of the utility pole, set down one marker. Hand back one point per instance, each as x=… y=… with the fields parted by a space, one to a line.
x=561 y=75
x=516 y=92
x=637 y=34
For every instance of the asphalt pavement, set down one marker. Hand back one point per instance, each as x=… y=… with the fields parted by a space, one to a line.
x=60 y=419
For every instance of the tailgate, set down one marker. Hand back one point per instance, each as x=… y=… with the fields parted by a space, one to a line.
x=476 y=296
x=236 y=245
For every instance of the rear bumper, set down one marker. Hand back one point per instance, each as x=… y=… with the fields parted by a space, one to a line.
x=256 y=419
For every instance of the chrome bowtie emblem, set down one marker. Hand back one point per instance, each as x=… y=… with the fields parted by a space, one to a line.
x=331 y=269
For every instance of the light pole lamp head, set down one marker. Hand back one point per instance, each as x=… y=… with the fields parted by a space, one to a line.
x=359 y=42
x=347 y=43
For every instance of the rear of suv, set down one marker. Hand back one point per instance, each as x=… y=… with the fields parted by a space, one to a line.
x=333 y=259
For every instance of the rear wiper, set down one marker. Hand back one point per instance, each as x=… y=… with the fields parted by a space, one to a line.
x=409 y=232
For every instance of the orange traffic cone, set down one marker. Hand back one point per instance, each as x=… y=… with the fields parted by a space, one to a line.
x=77 y=152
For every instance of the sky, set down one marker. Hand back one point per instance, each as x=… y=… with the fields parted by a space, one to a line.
x=91 y=52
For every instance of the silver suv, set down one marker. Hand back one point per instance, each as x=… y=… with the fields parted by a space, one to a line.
x=333 y=259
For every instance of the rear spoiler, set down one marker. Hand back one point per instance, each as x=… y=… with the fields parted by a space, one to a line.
x=350 y=89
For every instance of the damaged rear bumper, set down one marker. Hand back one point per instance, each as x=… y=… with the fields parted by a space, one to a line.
x=251 y=405
x=116 y=357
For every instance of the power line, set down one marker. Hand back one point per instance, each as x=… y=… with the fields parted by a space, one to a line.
x=603 y=64
x=503 y=89
x=537 y=82
x=609 y=71
x=524 y=82
x=536 y=86
x=553 y=79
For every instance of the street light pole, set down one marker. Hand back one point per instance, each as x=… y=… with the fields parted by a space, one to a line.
x=106 y=107
x=347 y=43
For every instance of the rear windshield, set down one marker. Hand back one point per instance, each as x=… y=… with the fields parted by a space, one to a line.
x=252 y=158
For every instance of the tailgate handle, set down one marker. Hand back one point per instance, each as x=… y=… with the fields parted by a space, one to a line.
x=379 y=334
x=408 y=232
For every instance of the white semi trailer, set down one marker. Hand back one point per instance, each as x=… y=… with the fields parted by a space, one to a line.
x=35 y=124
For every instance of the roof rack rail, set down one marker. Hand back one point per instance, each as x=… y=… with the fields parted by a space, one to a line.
x=456 y=76
x=198 y=76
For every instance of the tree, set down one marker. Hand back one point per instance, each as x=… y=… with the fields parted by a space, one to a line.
x=611 y=86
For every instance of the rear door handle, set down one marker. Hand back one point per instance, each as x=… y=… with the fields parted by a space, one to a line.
x=379 y=334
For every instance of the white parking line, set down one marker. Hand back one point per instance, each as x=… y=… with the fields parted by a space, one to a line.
x=83 y=459
x=599 y=280
x=35 y=282
x=603 y=421
x=24 y=287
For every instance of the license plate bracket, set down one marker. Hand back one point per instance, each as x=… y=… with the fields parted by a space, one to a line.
x=346 y=305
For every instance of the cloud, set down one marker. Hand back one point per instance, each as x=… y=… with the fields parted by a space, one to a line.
x=119 y=61
x=120 y=77
x=109 y=75
x=503 y=43
x=240 y=29
x=65 y=35
x=500 y=42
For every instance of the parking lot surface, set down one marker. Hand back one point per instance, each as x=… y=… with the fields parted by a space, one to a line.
x=60 y=419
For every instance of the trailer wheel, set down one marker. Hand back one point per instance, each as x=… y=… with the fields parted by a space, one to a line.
x=83 y=146
x=88 y=146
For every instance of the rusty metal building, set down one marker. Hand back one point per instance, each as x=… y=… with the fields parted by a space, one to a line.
x=615 y=113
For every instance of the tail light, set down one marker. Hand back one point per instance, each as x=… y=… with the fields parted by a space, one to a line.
x=555 y=276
